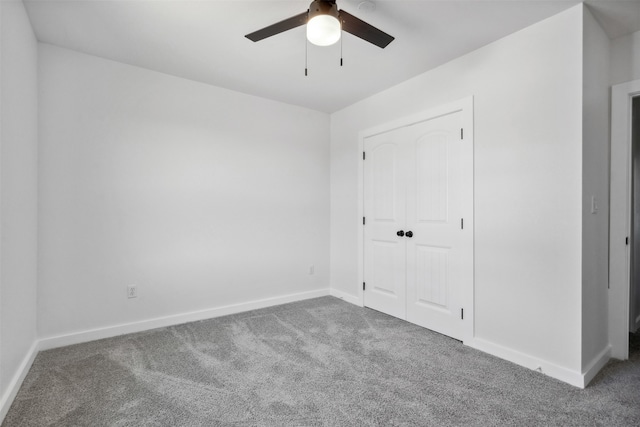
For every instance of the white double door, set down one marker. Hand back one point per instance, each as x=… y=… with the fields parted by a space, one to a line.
x=418 y=239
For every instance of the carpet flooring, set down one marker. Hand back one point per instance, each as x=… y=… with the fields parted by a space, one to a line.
x=319 y=362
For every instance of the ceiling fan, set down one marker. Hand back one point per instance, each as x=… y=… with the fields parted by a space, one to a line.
x=324 y=25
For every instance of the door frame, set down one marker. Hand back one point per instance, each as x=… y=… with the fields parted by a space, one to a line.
x=465 y=106
x=620 y=217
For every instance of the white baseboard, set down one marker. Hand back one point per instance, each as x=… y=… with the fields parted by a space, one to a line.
x=596 y=365
x=12 y=390
x=346 y=297
x=177 y=319
x=569 y=376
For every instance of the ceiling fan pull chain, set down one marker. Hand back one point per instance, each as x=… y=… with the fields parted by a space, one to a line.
x=306 y=55
x=341 y=51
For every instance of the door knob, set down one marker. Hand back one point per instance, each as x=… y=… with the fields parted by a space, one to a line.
x=400 y=233
x=409 y=234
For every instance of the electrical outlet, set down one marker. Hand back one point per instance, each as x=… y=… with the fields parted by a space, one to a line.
x=312 y=269
x=132 y=291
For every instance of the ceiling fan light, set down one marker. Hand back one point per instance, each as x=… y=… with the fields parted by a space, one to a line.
x=323 y=30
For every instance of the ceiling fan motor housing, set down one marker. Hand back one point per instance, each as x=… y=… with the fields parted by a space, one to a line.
x=323 y=7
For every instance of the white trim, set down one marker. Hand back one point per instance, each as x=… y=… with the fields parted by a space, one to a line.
x=619 y=219
x=468 y=124
x=464 y=105
x=596 y=365
x=550 y=369
x=432 y=113
x=353 y=299
x=14 y=386
x=177 y=319
x=359 y=225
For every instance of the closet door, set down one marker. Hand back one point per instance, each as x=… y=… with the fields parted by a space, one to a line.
x=418 y=236
x=384 y=242
x=435 y=203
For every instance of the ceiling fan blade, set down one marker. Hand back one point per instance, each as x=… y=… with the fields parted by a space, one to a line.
x=365 y=31
x=279 y=27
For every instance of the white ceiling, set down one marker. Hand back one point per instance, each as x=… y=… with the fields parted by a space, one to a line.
x=204 y=40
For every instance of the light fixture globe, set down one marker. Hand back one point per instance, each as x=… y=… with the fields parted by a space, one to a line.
x=323 y=27
x=323 y=30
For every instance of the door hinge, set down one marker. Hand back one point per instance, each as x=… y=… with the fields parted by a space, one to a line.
x=462 y=313
x=364 y=286
x=461 y=133
x=626 y=240
x=363 y=155
x=364 y=220
x=462 y=223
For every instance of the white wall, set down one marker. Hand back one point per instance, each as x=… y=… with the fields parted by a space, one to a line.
x=625 y=58
x=595 y=180
x=201 y=196
x=18 y=195
x=528 y=185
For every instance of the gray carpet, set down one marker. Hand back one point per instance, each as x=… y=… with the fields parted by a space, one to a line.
x=320 y=362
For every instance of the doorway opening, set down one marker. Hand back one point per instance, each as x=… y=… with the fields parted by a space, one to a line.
x=634 y=283
x=624 y=218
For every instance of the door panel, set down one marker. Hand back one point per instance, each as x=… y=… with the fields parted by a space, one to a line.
x=386 y=259
x=385 y=197
x=431 y=158
x=434 y=213
x=432 y=275
x=385 y=252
